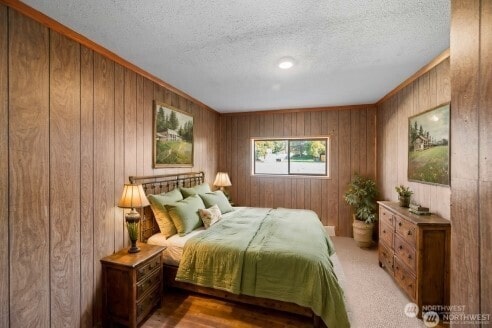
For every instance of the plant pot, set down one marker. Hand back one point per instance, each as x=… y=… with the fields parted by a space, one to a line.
x=404 y=201
x=362 y=233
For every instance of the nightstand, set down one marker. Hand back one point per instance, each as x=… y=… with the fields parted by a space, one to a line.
x=132 y=285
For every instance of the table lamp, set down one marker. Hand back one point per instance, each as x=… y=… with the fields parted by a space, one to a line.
x=133 y=197
x=222 y=180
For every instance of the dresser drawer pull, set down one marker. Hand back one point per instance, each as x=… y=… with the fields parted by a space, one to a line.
x=384 y=231
x=400 y=224
x=401 y=247
x=409 y=256
x=409 y=233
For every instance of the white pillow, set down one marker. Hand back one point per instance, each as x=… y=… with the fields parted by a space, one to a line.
x=210 y=216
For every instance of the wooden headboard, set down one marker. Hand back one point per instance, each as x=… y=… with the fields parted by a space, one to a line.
x=157 y=184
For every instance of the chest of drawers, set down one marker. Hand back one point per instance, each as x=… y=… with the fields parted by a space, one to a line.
x=132 y=285
x=415 y=251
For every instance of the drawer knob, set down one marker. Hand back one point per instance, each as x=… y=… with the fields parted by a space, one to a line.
x=401 y=247
x=399 y=223
x=409 y=233
x=409 y=256
x=384 y=231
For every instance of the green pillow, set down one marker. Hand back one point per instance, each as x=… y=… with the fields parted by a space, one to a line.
x=217 y=198
x=158 y=204
x=185 y=214
x=196 y=190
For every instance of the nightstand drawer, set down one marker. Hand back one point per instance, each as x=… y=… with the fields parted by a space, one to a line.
x=386 y=217
x=148 y=302
x=149 y=282
x=405 y=279
x=386 y=235
x=406 y=230
x=148 y=267
x=132 y=285
x=386 y=257
x=405 y=253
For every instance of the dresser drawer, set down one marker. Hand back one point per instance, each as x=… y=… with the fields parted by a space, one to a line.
x=148 y=267
x=386 y=217
x=405 y=253
x=405 y=279
x=148 y=283
x=386 y=234
x=148 y=302
x=406 y=230
x=386 y=257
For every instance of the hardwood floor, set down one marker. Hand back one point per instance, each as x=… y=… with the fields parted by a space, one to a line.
x=183 y=309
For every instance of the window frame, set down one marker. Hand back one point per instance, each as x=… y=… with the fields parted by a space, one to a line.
x=288 y=140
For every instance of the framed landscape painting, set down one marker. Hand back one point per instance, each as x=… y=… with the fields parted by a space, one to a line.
x=173 y=137
x=428 y=146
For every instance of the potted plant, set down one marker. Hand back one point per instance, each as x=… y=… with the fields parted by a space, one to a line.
x=404 y=195
x=361 y=195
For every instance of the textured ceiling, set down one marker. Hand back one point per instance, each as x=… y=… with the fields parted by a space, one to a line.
x=225 y=53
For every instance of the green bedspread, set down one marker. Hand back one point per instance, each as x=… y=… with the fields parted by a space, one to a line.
x=280 y=254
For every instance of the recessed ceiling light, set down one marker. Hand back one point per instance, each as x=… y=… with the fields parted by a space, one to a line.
x=286 y=63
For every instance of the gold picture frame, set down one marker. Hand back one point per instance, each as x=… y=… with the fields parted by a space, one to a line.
x=173 y=137
x=428 y=146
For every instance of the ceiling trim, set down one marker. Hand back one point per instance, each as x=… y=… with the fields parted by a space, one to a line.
x=71 y=34
x=303 y=110
x=433 y=63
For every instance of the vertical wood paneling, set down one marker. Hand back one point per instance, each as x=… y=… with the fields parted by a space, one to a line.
x=471 y=122
x=86 y=186
x=324 y=196
x=148 y=130
x=371 y=142
x=64 y=181
x=29 y=174
x=465 y=45
x=486 y=91
x=330 y=123
x=485 y=156
x=344 y=172
x=103 y=169
x=254 y=127
x=130 y=131
x=140 y=125
x=4 y=171
x=120 y=177
x=392 y=142
x=67 y=112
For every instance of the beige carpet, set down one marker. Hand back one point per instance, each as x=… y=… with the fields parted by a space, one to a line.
x=373 y=298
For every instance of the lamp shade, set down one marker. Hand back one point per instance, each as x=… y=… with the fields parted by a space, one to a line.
x=222 y=180
x=133 y=197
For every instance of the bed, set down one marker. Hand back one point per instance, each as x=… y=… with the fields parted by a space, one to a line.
x=253 y=255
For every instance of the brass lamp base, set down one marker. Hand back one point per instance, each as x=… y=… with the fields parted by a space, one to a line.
x=132 y=219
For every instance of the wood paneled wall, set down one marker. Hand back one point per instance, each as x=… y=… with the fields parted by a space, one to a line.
x=429 y=90
x=352 y=149
x=74 y=126
x=471 y=160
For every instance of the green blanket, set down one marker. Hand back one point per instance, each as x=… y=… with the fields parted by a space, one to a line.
x=280 y=254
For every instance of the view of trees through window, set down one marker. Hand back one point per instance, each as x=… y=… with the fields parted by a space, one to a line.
x=291 y=156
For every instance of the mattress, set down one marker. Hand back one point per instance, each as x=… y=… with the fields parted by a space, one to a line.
x=174 y=244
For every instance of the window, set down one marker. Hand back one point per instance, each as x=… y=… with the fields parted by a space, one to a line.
x=292 y=156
